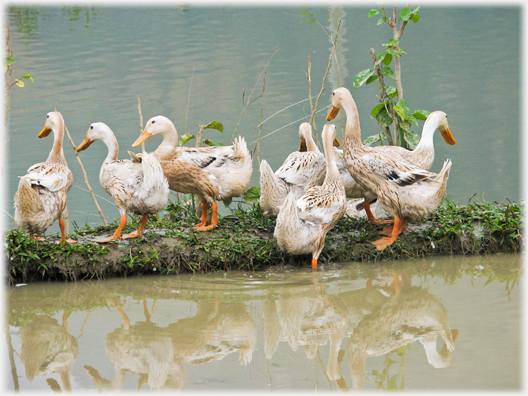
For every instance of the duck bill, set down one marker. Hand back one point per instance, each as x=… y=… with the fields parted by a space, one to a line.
x=142 y=138
x=449 y=139
x=302 y=146
x=336 y=143
x=84 y=144
x=45 y=132
x=332 y=113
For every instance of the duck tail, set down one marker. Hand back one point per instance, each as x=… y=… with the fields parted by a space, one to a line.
x=443 y=175
x=153 y=177
x=240 y=147
x=26 y=193
x=288 y=222
x=273 y=190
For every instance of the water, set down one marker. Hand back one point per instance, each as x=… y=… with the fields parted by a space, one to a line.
x=277 y=330
x=197 y=64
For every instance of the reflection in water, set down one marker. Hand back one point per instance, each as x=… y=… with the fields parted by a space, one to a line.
x=337 y=319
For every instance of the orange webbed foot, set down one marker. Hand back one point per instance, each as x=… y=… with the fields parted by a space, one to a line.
x=204 y=227
x=383 y=243
x=70 y=241
x=135 y=234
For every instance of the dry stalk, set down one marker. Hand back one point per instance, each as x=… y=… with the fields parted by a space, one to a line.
x=261 y=117
x=189 y=100
x=85 y=179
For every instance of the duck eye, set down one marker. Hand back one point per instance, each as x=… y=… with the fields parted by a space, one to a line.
x=91 y=126
x=153 y=121
x=47 y=116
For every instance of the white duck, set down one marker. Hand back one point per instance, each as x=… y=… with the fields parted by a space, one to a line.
x=212 y=173
x=300 y=170
x=136 y=185
x=302 y=224
x=41 y=195
x=408 y=192
x=422 y=157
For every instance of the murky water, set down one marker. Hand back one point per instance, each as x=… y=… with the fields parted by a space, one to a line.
x=198 y=64
x=348 y=326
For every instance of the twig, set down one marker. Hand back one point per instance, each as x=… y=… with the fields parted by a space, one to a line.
x=248 y=102
x=141 y=123
x=261 y=115
x=86 y=177
x=189 y=100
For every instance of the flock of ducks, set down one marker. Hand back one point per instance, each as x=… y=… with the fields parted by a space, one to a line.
x=308 y=193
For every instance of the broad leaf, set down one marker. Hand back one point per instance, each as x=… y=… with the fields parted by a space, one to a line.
x=28 y=77
x=214 y=125
x=381 y=20
x=415 y=18
x=399 y=110
x=20 y=83
x=387 y=71
x=387 y=59
x=227 y=201
x=383 y=118
x=412 y=139
x=421 y=114
x=403 y=105
x=361 y=77
x=405 y=13
x=374 y=12
x=376 y=110
x=252 y=195
x=185 y=138
x=372 y=79
x=371 y=140
x=391 y=91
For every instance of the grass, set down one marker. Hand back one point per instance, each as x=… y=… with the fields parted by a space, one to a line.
x=244 y=240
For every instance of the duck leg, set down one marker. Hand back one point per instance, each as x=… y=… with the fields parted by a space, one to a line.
x=36 y=238
x=117 y=233
x=399 y=227
x=63 y=235
x=214 y=217
x=138 y=232
x=314 y=262
x=203 y=219
x=370 y=216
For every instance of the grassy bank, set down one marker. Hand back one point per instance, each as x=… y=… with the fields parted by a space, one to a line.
x=244 y=240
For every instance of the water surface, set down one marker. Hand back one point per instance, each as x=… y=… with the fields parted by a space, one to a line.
x=347 y=326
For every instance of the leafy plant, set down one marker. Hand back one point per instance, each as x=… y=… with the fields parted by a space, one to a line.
x=392 y=111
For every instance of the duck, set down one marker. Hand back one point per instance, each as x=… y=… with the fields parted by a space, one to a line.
x=212 y=173
x=408 y=192
x=301 y=170
x=302 y=224
x=422 y=156
x=41 y=196
x=136 y=185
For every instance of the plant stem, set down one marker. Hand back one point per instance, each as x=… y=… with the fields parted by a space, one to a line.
x=85 y=178
x=381 y=79
x=189 y=100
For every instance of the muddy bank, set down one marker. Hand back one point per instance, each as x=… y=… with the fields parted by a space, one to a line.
x=244 y=240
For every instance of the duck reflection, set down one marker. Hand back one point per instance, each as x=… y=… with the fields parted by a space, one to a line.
x=48 y=348
x=385 y=315
x=156 y=354
x=409 y=314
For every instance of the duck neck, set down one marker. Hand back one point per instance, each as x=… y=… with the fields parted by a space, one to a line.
x=113 y=148
x=332 y=170
x=165 y=150
x=310 y=143
x=57 y=153
x=428 y=130
x=352 y=128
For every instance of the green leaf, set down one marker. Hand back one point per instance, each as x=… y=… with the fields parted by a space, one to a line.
x=361 y=77
x=411 y=138
x=20 y=83
x=214 y=125
x=252 y=195
x=227 y=201
x=387 y=59
x=371 y=140
x=391 y=91
x=383 y=117
x=415 y=18
x=387 y=71
x=399 y=110
x=372 y=79
x=209 y=142
x=28 y=77
x=405 y=13
x=410 y=118
x=421 y=114
x=374 y=12
x=382 y=20
x=403 y=105
x=376 y=110
x=185 y=138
